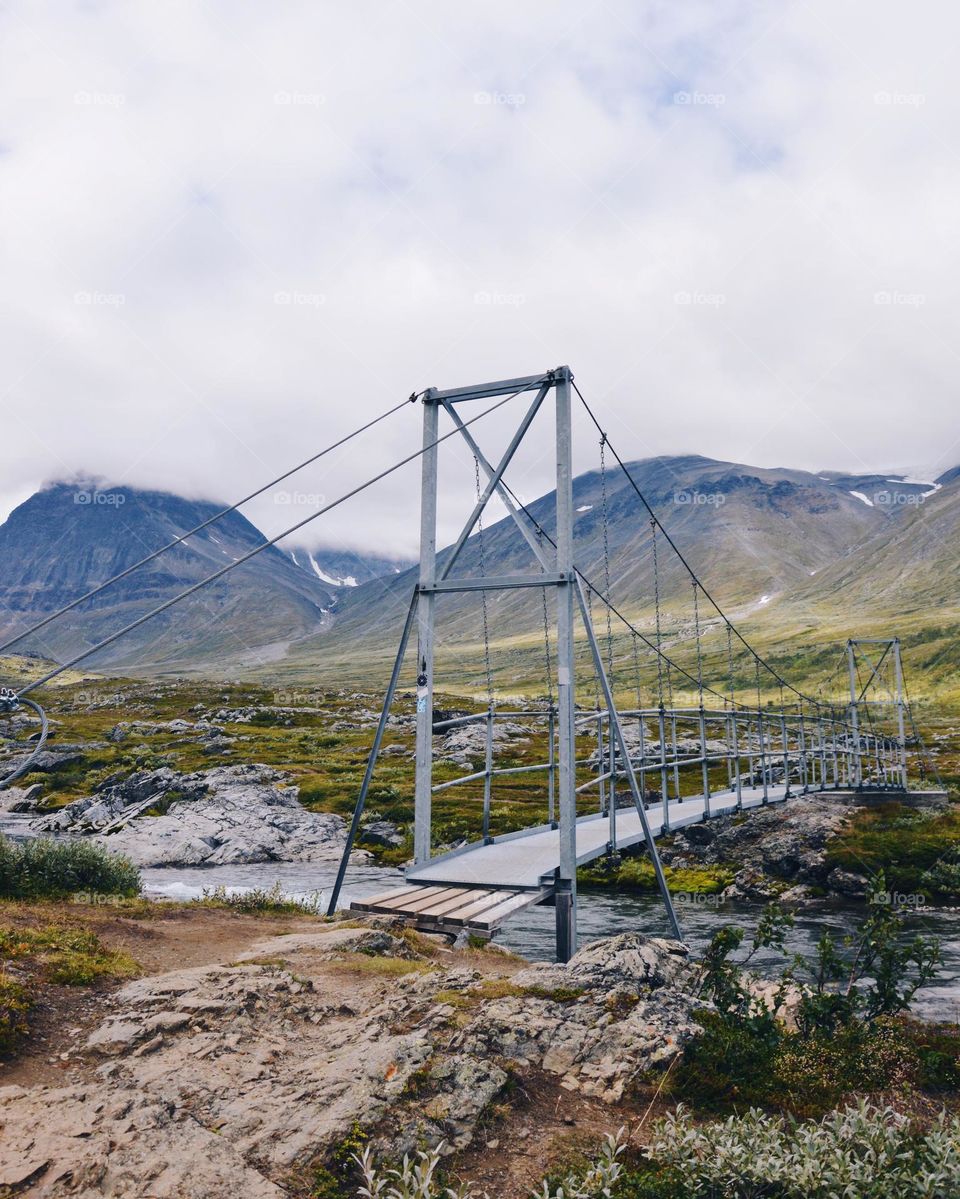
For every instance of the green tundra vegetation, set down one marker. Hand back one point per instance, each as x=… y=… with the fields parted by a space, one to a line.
x=48 y=869
x=32 y=959
x=835 y=1025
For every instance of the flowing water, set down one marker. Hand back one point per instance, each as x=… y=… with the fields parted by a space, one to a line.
x=600 y=914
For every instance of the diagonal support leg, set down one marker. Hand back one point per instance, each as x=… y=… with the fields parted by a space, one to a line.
x=374 y=754
x=617 y=731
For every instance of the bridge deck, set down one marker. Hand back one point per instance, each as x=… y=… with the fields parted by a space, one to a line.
x=479 y=910
x=528 y=859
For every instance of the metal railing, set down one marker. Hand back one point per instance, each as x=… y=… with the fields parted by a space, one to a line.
x=749 y=747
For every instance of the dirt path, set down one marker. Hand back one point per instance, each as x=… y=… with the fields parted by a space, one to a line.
x=164 y=937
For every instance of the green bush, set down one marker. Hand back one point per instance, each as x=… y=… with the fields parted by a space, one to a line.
x=47 y=869
x=850 y=1034
x=866 y=1152
x=260 y=901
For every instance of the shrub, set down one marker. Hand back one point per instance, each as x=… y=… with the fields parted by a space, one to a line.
x=47 y=869
x=862 y=1151
x=15 y=1003
x=259 y=901
x=846 y=1001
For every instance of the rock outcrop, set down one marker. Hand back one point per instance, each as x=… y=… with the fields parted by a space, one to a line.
x=621 y=1008
x=231 y=814
x=784 y=844
x=219 y=1081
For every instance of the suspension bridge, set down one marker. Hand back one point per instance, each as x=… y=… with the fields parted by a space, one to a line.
x=613 y=776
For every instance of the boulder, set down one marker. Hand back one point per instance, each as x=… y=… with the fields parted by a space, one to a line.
x=227 y=815
x=20 y=799
x=621 y=1007
x=382 y=832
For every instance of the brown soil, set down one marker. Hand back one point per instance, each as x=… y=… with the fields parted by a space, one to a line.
x=164 y=938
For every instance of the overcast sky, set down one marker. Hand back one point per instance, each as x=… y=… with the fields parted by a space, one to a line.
x=229 y=232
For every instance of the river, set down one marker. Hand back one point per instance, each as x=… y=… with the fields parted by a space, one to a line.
x=600 y=914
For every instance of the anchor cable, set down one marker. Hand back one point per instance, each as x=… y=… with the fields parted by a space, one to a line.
x=9 y=702
x=203 y=525
x=219 y=574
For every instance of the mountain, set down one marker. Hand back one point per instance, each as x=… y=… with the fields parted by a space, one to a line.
x=799 y=560
x=68 y=538
x=751 y=533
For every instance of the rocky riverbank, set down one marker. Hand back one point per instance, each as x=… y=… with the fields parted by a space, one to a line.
x=226 y=815
x=243 y=1077
x=812 y=847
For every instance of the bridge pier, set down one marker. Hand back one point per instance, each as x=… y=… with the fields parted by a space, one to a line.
x=566 y=919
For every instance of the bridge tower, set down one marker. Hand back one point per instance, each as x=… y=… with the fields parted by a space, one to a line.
x=554 y=569
x=557 y=574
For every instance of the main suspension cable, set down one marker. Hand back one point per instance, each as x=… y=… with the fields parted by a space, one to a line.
x=676 y=550
x=203 y=525
x=135 y=624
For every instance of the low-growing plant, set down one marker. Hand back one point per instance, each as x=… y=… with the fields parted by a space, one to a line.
x=843 y=1035
x=71 y=956
x=46 y=869
x=418 y=1177
x=15 y=1003
x=262 y=902
x=637 y=874
x=863 y=1152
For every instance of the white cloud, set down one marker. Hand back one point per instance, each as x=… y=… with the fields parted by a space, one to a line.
x=166 y=172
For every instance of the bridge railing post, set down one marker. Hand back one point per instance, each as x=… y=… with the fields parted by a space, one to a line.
x=705 y=769
x=601 y=765
x=488 y=776
x=612 y=793
x=763 y=756
x=662 y=728
x=551 y=764
x=804 y=780
x=784 y=736
x=901 y=732
x=736 y=758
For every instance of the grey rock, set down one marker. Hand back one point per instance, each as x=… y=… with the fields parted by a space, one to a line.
x=847 y=882
x=383 y=832
x=20 y=799
x=230 y=814
x=636 y=1012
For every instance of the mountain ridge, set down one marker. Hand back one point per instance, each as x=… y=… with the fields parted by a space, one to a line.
x=772 y=544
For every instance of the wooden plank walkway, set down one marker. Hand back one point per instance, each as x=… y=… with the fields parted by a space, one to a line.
x=479 y=910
